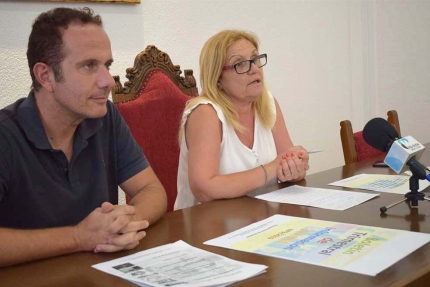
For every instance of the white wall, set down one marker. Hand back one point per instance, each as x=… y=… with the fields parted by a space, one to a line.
x=327 y=60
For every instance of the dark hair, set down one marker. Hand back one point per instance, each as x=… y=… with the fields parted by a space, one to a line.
x=45 y=44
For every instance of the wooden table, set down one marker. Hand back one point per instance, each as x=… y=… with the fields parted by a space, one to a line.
x=206 y=221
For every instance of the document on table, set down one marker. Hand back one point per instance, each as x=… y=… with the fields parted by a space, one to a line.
x=356 y=248
x=380 y=182
x=179 y=264
x=317 y=197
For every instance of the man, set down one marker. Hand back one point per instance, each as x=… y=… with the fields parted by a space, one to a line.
x=65 y=149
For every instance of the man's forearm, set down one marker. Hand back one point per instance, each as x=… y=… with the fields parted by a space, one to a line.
x=150 y=203
x=19 y=246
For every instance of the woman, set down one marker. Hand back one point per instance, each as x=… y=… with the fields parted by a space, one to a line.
x=233 y=136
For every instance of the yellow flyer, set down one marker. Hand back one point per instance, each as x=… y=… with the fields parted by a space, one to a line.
x=350 y=247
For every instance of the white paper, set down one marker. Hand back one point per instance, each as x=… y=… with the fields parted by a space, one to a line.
x=380 y=182
x=179 y=264
x=317 y=197
x=355 y=248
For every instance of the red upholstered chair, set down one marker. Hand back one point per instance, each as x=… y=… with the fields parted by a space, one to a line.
x=152 y=102
x=354 y=147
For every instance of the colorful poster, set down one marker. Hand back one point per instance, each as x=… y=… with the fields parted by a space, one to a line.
x=355 y=248
x=381 y=183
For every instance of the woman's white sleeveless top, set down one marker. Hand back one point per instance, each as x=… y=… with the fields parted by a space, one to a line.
x=235 y=156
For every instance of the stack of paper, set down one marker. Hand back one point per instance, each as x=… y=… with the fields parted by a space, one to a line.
x=317 y=197
x=179 y=264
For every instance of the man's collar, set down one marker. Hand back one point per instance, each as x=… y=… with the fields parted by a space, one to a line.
x=29 y=119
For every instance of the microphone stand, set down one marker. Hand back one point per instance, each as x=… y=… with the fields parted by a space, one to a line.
x=413 y=196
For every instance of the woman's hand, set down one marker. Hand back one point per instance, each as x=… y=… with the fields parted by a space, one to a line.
x=293 y=164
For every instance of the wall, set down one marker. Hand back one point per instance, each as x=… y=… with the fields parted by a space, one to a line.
x=327 y=60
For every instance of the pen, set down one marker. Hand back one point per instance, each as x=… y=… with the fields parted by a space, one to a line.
x=315 y=151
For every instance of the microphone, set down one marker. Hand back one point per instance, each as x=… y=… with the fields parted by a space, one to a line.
x=380 y=134
x=401 y=152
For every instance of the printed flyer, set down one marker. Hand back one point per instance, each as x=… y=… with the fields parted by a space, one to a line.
x=362 y=249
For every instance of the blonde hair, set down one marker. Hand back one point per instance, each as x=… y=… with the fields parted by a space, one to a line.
x=212 y=61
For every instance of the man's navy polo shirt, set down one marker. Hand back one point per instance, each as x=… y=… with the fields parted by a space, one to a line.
x=39 y=188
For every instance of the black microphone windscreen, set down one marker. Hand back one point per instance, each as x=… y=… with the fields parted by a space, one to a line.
x=379 y=134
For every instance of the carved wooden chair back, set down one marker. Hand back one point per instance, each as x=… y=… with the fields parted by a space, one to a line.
x=152 y=102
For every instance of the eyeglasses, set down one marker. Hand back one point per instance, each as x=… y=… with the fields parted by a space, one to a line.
x=245 y=66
